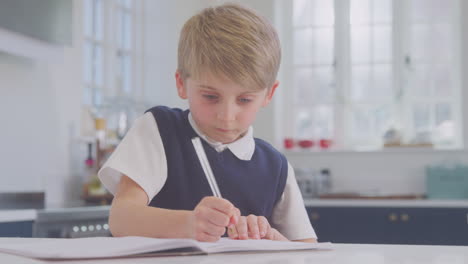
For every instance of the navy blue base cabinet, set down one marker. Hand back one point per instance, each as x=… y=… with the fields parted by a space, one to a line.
x=16 y=229
x=396 y=225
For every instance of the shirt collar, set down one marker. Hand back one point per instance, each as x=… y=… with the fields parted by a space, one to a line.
x=243 y=148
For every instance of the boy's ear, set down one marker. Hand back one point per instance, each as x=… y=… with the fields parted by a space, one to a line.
x=180 y=83
x=270 y=93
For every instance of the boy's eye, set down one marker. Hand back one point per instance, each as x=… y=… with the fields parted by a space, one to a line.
x=210 y=97
x=244 y=100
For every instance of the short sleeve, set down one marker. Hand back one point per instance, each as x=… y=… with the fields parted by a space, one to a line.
x=289 y=215
x=140 y=155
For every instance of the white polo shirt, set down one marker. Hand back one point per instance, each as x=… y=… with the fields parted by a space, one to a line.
x=142 y=158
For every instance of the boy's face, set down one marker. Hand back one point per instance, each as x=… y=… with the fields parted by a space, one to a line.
x=222 y=109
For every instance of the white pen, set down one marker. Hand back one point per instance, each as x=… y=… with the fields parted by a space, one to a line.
x=197 y=144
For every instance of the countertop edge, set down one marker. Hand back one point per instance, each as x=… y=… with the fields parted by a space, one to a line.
x=385 y=203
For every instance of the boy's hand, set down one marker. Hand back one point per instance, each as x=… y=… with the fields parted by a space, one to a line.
x=210 y=218
x=254 y=227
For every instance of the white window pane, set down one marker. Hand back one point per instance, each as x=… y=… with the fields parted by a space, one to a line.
x=314 y=85
x=127 y=31
x=304 y=124
x=360 y=12
x=382 y=45
x=313 y=13
x=98 y=19
x=126 y=3
x=361 y=125
x=431 y=43
x=382 y=11
x=323 y=122
x=98 y=100
x=442 y=81
x=302 y=10
x=315 y=122
x=314 y=46
x=360 y=83
x=324 y=13
x=127 y=74
x=87 y=96
x=422 y=117
x=383 y=82
x=445 y=125
x=431 y=11
x=443 y=112
x=120 y=28
x=368 y=123
x=419 y=83
x=88 y=17
x=98 y=66
x=360 y=45
x=88 y=62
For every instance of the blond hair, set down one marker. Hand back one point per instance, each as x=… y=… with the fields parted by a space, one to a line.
x=233 y=41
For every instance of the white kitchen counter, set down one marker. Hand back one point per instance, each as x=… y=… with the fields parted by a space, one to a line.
x=17 y=215
x=342 y=253
x=385 y=203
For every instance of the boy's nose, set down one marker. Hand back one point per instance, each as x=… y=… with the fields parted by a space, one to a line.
x=227 y=112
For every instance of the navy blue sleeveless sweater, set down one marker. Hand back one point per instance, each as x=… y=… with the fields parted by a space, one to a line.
x=254 y=186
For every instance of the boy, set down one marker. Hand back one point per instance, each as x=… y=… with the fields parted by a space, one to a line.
x=228 y=59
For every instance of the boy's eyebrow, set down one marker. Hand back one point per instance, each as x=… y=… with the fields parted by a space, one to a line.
x=206 y=86
x=214 y=89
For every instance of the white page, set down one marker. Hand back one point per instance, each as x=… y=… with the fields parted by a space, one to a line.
x=230 y=245
x=106 y=247
x=92 y=247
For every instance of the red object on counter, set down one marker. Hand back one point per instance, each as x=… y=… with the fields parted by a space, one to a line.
x=325 y=143
x=288 y=143
x=306 y=143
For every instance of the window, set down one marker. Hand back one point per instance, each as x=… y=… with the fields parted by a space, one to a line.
x=93 y=47
x=359 y=68
x=112 y=52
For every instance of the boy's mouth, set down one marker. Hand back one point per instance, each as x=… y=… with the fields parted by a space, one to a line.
x=223 y=130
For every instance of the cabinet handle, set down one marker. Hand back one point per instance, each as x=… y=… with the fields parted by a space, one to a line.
x=314 y=216
x=404 y=217
x=393 y=217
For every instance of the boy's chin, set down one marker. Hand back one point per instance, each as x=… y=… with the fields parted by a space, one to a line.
x=225 y=139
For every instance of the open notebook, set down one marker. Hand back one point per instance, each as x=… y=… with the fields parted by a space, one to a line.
x=110 y=247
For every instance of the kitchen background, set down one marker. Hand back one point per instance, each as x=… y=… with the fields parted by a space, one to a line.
x=376 y=123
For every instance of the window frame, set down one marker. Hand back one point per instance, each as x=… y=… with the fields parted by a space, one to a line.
x=343 y=68
x=110 y=49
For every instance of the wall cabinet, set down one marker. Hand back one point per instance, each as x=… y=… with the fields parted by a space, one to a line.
x=391 y=225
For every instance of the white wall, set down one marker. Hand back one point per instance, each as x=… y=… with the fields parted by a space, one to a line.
x=39 y=114
x=26 y=117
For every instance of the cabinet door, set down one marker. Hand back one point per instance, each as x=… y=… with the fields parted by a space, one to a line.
x=394 y=225
x=348 y=224
x=16 y=229
x=432 y=226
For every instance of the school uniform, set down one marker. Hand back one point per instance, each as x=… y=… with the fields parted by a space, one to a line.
x=157 y=153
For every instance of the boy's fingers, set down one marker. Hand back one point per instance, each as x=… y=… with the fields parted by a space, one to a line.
x=235 y=216
x=216 y=217
x=232 y=231
x=253 y=227
x=263 y=226
x=219 y=204
x=204 y=237
x=242 y=228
